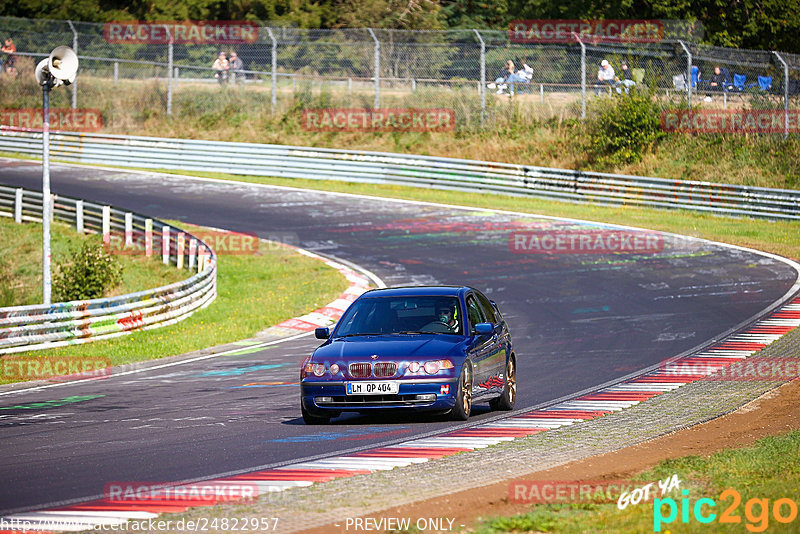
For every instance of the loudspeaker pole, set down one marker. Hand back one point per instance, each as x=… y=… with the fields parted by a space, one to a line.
x=46 y=282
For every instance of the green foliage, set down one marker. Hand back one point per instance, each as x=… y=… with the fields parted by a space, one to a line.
x=88 y=274
x=621 y=129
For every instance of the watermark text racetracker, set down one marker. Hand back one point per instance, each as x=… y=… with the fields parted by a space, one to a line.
x=73 y=120
x=188 y=32
x=585 y=242
x=564 y=30
x=730 y=121
x=379 y=120
x=54 y=367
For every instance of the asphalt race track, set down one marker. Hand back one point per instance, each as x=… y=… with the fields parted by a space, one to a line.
x=577 y=320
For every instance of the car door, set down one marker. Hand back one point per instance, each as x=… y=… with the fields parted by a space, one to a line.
x=481 y=348
x=496 y=361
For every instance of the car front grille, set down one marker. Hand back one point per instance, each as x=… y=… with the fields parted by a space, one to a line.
x=385 y=369
x=360 y=370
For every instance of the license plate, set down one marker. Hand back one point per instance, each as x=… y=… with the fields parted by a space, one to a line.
x=373 y=388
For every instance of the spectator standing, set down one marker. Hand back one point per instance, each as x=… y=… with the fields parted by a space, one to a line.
x=221 y=66
x=605 y=76
x=237 y=66
x=10 y=65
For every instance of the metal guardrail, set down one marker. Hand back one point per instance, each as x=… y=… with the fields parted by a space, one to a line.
x=24 y=328
x=412 y=170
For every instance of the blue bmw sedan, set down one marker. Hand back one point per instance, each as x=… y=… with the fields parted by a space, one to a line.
x=433 y=349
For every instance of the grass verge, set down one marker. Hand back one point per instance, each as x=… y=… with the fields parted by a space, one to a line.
x=21 y=262
x=253 y=292
x=765 y=477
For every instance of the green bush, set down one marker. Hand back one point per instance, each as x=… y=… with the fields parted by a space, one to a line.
x=88 y=274
x=620 y=129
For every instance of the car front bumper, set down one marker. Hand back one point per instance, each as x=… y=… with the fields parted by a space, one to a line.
x=324 y=397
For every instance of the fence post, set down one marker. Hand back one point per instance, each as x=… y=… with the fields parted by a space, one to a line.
x=75 y=49
x=377 y=69
x=18 y=206
x=583 y=75
x=169 y=71
x=274 y=68
x=688 y=71
x=785 y=95
x=483 y=75
x=116 y=72
x=79 y=216
x=165 y=244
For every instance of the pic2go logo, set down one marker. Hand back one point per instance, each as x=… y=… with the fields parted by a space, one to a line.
x=756 y=511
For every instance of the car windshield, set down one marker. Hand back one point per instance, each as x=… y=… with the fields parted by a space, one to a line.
x=402 y=316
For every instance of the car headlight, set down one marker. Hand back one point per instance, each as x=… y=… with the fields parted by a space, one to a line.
x=317 y=369
x=334 y=369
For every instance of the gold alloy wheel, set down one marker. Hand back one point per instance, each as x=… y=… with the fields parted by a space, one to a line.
x=511 y=381
x=466 y=392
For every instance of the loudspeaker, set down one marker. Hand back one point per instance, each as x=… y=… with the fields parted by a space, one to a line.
x=41 y=73
x=63 y=64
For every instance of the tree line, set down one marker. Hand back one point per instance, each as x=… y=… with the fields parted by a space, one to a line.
x=754 y=24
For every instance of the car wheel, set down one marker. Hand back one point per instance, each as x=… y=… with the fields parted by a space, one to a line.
x=311 y=419
x=463 y=406
x=509 y=395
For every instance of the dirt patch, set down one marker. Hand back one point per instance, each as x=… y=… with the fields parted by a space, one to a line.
x=774 y=413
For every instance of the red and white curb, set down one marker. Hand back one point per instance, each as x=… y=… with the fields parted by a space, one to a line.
x=590 y=406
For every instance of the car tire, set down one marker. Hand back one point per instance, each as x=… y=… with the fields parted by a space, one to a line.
x=311 y=419
x=506 y=401
x=463 y=407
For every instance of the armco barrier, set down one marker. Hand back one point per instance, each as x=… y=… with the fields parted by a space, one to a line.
x=403 y=169
x=24 y=328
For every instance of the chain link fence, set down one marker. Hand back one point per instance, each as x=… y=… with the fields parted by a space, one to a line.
x=286 y=68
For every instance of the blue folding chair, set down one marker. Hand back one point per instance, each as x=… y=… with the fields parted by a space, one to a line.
x=764 y=83
x=695 y=76
x=739 y=81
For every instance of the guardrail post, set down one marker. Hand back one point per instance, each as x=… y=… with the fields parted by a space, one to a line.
x=377 y=69
x=79 y=216
x=688 y=72
x=274 y=68
x=18 y=205
x=483 y=76
x=128 y=229
x=201 y=259
x=583 y=74
x=180 y=249
x=75 y=49
x=148 y=237
x=785 y=95
x=192 y=252
x=106 y=224
x=165 y=244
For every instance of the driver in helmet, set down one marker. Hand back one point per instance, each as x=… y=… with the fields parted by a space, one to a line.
x=447 y=314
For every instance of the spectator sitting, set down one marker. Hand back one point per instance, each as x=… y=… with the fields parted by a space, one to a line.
x=605 y=76
x=221 y=66
x=526 y=75
x=237 y=66
x=626 y=82
x=718 y=82
x=507 y=78
x=11 y=59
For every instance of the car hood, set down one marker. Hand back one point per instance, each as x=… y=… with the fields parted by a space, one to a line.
x=397 y=347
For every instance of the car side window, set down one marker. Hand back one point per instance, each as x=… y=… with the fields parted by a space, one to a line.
x=474 y=313
x=488 y=310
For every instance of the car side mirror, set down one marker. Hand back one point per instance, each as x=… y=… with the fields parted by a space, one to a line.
x=322 y=333
x=484 y=329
